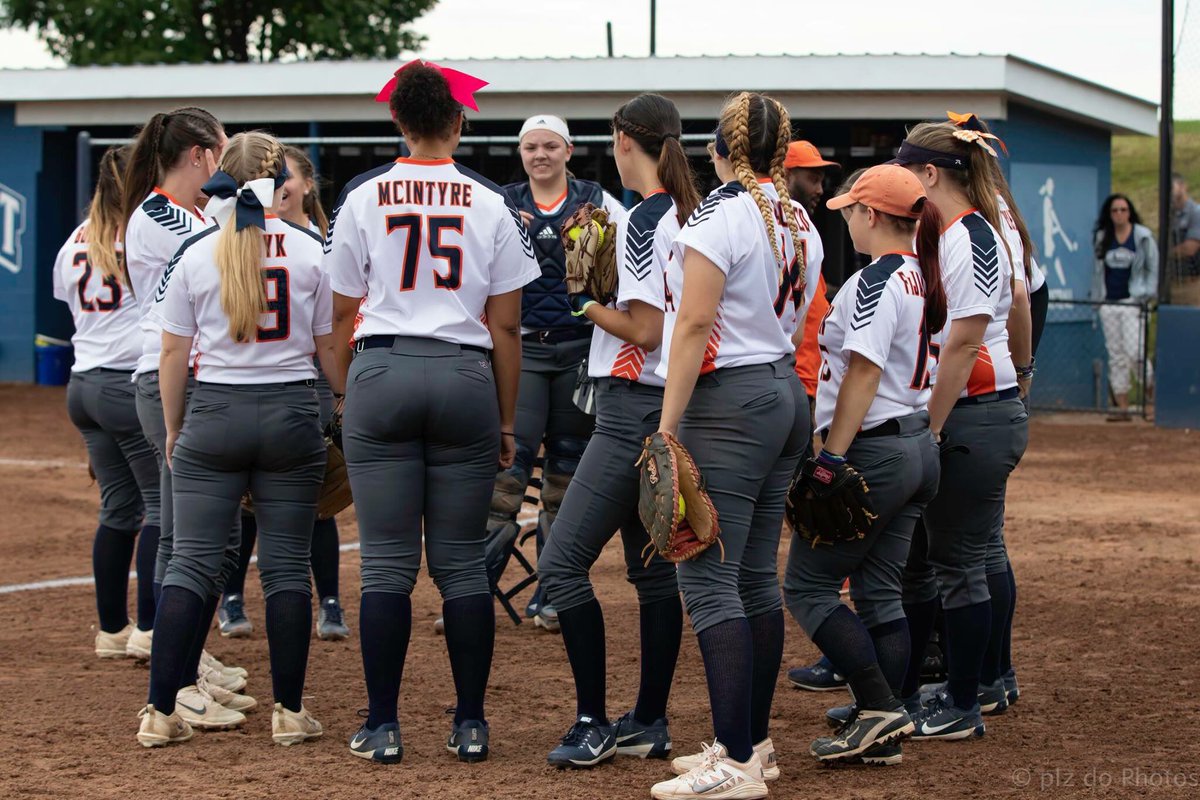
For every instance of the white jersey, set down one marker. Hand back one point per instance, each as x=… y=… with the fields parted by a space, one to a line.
x=814 y=256
x=426 y=243
x=977 y=277
x=1008 y=224
x=760 y=307
x=105 y=313
x=156 y=231
x=878 y=313
x=187 y=302
x=643 y=246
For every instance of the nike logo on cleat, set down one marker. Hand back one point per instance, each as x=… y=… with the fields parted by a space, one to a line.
x=357 y=742
x=596 y=750
x=930 y=730
x=199 y=711
x=390 y=751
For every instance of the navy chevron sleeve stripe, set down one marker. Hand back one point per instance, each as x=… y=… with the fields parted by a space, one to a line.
x=871 y=283
x=985 y=256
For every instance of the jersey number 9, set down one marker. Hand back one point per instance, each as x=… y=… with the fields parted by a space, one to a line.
x=451 y=279
x=279 y=304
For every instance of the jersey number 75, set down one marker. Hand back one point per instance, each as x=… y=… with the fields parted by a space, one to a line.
x=435 y=227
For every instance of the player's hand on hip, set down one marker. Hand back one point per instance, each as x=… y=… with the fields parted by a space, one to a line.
x=508 y=449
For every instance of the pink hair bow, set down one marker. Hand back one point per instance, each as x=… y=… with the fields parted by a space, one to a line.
x=462 y=86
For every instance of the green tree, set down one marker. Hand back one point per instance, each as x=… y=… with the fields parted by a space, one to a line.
x=85 y=32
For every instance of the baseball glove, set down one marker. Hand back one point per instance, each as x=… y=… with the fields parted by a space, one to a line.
x=829 y=502
x=677 y=512
x=590 y=242
x=335 y=491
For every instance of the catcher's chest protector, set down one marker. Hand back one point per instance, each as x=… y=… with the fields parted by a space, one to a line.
x=544 y=303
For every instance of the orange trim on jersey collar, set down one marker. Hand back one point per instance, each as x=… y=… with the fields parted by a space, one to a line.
x=422 y=162
x=950 y=224
x=168 y=195
x=555 y=204
x=766 y=180
x=656 y=191
x=898 y=253
x=270 y=216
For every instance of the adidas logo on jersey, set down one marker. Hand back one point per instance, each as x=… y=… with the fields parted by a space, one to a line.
x=547 y=233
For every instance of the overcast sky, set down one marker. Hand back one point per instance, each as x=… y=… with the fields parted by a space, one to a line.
x=1111 y=42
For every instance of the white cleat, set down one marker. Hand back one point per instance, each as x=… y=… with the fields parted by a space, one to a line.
x=231 y=700
x=765 y=750
x=139 y=643
x=716 y=776
x=113 y=645
x=158 y=729
x=293 y=727
x=210 y=661
x=198 y=709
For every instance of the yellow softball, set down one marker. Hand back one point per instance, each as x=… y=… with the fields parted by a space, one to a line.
x=682 y=507
x=574 y=233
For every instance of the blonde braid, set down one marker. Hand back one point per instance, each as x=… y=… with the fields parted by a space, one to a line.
x=738 y=128
x=269 y=168
x=779 y=179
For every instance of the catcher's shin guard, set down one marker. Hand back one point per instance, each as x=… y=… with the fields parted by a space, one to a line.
x=507 y=496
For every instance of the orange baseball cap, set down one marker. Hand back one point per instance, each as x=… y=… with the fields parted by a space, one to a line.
x=888 y=188
x=803 y=154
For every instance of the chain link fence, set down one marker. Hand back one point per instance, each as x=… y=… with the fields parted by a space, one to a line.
x=1096 y=356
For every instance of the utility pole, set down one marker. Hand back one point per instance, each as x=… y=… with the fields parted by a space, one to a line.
x=654 y=26
x=1166 y=135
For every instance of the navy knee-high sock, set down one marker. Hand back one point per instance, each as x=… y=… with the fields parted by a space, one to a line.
x=112 y=550
x=921 y=619
x=147 y=554
x=967 y=632
x=470 y=638
x=583 y=635
x=237 y=581
x=766 y=631
x=661 y=627
x=1006 y=648
x=179 y=613
x=289 y=621
x=846 y=643
x=998 y=587
x=199 y=637
x=728 y=652
x=892 y=642
x=384 y=628
x=325 y=557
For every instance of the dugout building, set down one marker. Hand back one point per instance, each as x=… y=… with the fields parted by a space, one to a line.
x=54 y=124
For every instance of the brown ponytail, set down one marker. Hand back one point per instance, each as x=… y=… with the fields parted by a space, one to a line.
x=312 y=201
x=158 y=146
x=105 y=227
x=653 y=122
x=929 y=236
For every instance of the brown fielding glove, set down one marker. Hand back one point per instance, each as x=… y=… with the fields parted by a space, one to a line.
x=590 y=242
x=670 y=482
x=335 y=491
x=829 y=502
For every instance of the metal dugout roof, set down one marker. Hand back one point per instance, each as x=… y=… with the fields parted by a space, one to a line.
x=843 y=87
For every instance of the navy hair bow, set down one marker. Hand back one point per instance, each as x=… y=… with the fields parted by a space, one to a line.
x=250 y=201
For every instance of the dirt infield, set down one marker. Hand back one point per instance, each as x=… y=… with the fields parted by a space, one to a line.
x=1104 y=527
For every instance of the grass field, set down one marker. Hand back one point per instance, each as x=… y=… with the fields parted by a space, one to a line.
x=1135 y=167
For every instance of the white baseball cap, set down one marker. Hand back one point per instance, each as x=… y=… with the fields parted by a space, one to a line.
x=546 y=122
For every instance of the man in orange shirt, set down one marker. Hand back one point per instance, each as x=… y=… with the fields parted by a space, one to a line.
x=806 y=184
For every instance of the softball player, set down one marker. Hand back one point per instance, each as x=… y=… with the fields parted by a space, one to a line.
x=603 y=495
x=997 y=668
x=735 y=287
x=173 y=156
x=300 y=205
x=254 y=296
x=976 y=413
x=871 y=412
x=90 y=277
x=440 y=256
x=556 y=341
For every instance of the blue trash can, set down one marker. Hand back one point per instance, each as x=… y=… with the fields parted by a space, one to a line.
x=54 y=359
